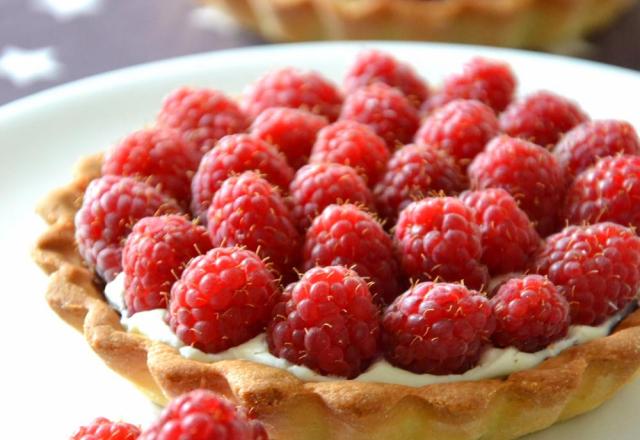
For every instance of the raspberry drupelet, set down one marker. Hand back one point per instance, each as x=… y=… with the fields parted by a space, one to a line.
x=233 y=155
x=110 y=207
x=348 y=236
x=372 y=66
x=222 y=299
x=529 y=172
x=159 y=157
x=327 y=321
x=154 y=256
x=248 y=211
x=316 y=186
x=414 y=172
x=204 y=415
x=386 y=110
x=292 y=130
x=509 y=239
x=203 y=116
x=462 y=128
x=353 y=144
x=596 y=268
x=530 y=314
x=437 y=328
x=608 y=191
x=438 y=239
x=104 y=429
x=293 y=88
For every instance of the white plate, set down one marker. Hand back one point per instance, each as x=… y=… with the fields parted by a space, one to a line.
x=50 y=379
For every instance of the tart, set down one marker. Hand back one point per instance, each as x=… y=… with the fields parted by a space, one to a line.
x=520 y=23
x=308 y=398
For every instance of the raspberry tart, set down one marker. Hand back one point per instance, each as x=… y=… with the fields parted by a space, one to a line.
x=344 y=274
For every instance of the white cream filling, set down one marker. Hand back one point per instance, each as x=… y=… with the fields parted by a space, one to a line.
x=495 y=362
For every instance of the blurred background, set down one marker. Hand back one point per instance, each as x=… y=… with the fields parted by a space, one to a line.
x=48 y=42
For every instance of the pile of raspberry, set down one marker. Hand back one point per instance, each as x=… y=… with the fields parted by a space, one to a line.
x=367 y=221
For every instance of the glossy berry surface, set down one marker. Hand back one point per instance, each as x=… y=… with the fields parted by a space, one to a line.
x=104 y=429
x=327 y=321
x=437 y=328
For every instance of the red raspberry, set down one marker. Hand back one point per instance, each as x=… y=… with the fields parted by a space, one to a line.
x=541 y=117
x=292 y=130
x=202 y=115
x=204 y=415
x=160 y=157
x=585 y=144
x=462 y=128
x=248 y=211
x=316 y=186
x=233 y=155
x=353 y=144
x=293 y=88
x=509 y=239
x=347 y=236
x=530 y=314
x=437 y=328
x=528 y=172
x=110 y=207
x=608 y=191
x=414 y=172
x=154 y=256
x=326 y=321
x=386 y=110
x=488 y=81
x=222 y=299
x=437 y=237
x=372 y=66
x=597 y=268
x=104 y=429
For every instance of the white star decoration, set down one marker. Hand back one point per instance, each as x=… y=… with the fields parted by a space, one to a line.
x=64 y=10
x=210 y=18
x=23 y=67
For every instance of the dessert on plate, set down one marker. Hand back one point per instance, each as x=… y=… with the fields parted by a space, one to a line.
x=384 y=259
x=517 y=23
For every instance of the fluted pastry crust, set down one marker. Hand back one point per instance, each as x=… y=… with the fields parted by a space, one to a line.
x=574 y=382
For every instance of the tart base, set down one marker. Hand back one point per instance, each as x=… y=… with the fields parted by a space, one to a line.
x=545 y=24
x=574 y=382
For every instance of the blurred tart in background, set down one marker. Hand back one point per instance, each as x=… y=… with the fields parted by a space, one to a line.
x=518 y=23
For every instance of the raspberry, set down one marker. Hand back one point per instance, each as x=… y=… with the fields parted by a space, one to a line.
x=509 y=239
x=326 y=321
x=530 y=314
x=528 y=172
x=160 y=157
x=585 y=144
x=203 y=415
x=233 y=155
x=462 y=128
x=372 y=66
x=386 y=110
x=488 y=81
x=293 y=88
x=110 y=207
x=437 y=237
x=222 y=299
x=248 y=211
x=353 y=144
x=347 y=236
x=541 y=117
x=437 y=328
x=608 y=191
x=414 y=172
x=316 y=186
x=154 y=256
x=202 y=115
x=104 y=429
x=293 y=131
x=596 y=268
